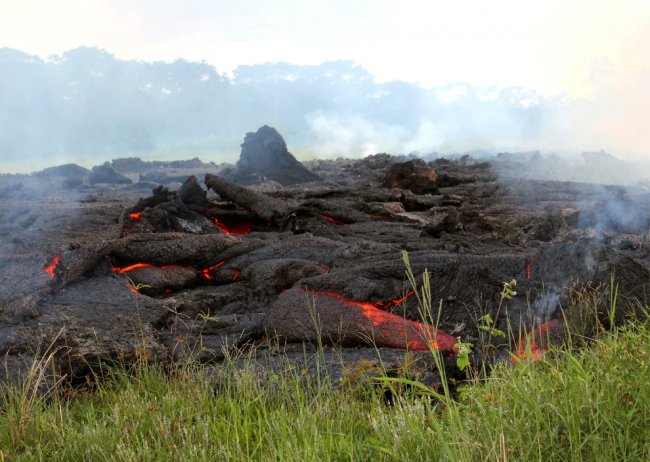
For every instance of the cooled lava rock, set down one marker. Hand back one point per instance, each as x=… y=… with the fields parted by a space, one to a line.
x=107 y=174
x=203 y=271
x=413 y=175
x=264 y=156
x=66 y=170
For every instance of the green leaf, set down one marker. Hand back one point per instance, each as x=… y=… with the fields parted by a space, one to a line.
x=462 y=362
x=498 y=333
x=486 y=318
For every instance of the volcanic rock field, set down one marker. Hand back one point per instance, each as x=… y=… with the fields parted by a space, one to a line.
x=178 y=260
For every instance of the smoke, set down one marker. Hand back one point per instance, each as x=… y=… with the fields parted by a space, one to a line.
x=351 y=135
x=452 y=118
x=546 y=305
x=614 y=115
x=87 y=107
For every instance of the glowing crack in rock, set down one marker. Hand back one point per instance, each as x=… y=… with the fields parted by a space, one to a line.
x=239 y=228
x=203 y=272
x=49 y=269
x=333 y=220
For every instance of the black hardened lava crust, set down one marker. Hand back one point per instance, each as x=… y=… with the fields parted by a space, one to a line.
x=198 y=268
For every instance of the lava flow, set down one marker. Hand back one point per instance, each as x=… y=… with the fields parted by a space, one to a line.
x=49 y=269
x=240 y=228
x=136 y=216
x=395 y=331
x=533 y=344
x=333 y=220
x=206 y=272
x=394 y=302
x=126 y=269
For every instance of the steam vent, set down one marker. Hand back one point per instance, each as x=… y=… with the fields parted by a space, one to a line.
x=264 y=156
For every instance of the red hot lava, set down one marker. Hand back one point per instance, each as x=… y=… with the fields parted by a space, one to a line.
x=126 y=269
x=239 y=228
x=397 y=301
x=206 y=272
x=223 y=228
x=49 y=269
x=535 y=343
x=333 y=220
x=136 y=216
x=393 y=330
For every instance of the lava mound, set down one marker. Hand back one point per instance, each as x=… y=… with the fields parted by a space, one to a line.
x=264 y=156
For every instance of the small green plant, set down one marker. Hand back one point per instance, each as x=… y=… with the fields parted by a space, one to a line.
x=486 y=324
x=462 y=357
x=509 y=290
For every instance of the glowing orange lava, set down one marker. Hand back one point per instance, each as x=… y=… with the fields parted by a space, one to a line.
x=126 y=269
x=239 y=228
x=206 y=272
x=396 y=330
x=333 y=220
x=531 y=345
x=223 y=228
x=203 y=272
x=394 y=302
x=49 y=269
x=136 y=215
x=529 y=353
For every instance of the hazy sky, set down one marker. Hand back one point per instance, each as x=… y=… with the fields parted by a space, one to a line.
x=593 y=51
x=565 y=46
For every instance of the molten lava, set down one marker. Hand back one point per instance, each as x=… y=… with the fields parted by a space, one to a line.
x=136 y=215
x=223 y=228
x=394 y=330
x=533 y=345
x=49 y=269
x=126 y=269
x=206 y=272
x=397 y=301
x=238 y=228
x=333 y=220
x=203 y=272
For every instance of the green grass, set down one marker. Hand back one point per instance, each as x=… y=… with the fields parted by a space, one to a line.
x=593 y=404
